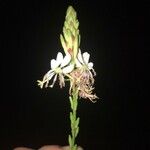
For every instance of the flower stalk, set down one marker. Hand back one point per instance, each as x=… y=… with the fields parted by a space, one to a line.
x=70 y=41
x=74 y=120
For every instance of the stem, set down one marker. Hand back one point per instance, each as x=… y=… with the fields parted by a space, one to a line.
x=74 y=119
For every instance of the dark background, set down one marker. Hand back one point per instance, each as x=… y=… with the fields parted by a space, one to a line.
x=113 y=33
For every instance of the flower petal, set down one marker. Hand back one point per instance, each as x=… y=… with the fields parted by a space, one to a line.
x=80 y=58
x=86 y=57
x=54 y=64
x=68 y=69
x=78 y=64
x=59 y=58
x=66 y=60
x=90 y=65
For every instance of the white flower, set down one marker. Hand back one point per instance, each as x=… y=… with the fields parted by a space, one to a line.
x=82 y=76
x=83 y=60
x=86 y=67
x=59 y=67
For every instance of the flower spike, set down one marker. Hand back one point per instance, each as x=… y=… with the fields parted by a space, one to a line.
x=70 y=39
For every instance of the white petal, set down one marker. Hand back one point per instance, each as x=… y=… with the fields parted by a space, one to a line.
x=68 y=69
x=66 y=60
x=86 y=57
x=80 y=58
x=78 y=64
x=59 y=58
x=54 y=64
x=90 y=65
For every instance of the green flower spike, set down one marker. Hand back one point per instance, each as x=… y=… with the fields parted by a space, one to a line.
x=70 y=39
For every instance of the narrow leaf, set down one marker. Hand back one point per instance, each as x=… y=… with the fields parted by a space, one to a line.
x=71 y=102
x=70 y=141
x=77 y=131
x=77 y=122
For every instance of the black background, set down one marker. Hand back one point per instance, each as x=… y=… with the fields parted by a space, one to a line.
x=113 y=33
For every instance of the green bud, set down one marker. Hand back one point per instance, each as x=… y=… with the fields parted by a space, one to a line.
x=64 y=45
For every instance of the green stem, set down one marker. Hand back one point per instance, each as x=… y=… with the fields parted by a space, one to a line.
x=74 y=120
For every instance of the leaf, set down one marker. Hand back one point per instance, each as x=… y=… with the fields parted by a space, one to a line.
x=70 y=141
x=75 y=147
x=79 y=39
x=77 y=131
x=71 y=102
x=77 y=122
x=72 y=118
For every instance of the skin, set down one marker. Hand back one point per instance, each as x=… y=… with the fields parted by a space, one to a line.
x=22 y=148
x=48 y=147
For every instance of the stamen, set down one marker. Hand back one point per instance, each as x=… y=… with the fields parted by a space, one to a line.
x=54 y=80
x=83 y=80
x=61 y=81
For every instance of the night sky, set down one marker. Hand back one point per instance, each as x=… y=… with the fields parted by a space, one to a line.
x=113 y=33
